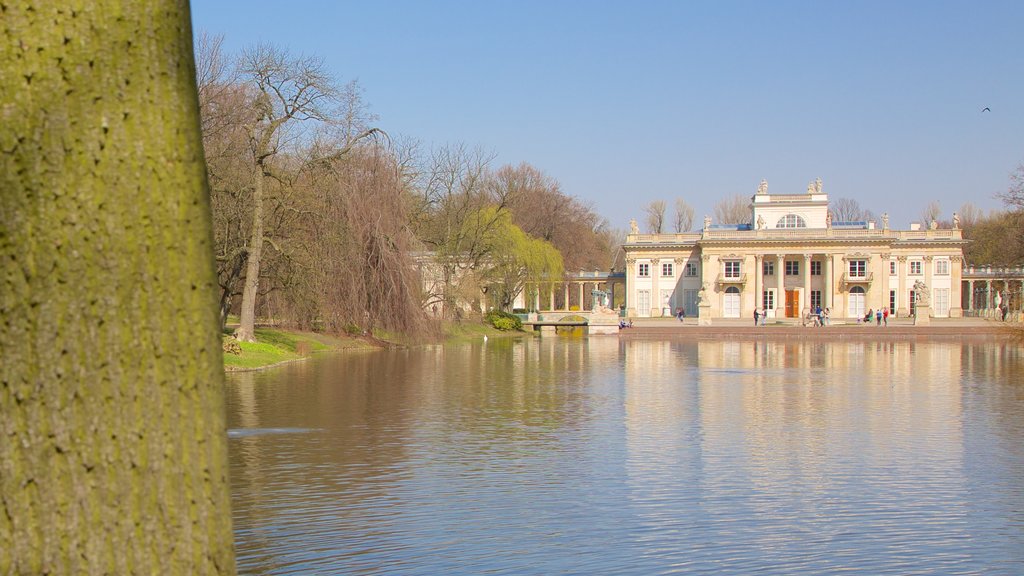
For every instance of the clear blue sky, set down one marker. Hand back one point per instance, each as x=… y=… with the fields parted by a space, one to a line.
x=625 y=103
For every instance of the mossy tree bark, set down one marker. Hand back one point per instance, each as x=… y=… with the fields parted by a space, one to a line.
x=112 y=444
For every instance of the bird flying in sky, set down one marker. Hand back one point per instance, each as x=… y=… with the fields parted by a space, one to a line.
x=986 y=109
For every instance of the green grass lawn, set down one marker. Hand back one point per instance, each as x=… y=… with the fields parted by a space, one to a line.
x=274 y=346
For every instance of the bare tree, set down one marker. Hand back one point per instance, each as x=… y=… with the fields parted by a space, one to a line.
x=849 y=210
x=292 y=96
x=684 y=216
x=734 y=210
x=655 y=218
x=1014 y=195
x=930 y=212
x=969 y=214
x=453 y=222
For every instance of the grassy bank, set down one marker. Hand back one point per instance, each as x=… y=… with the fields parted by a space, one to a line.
x=274 y=346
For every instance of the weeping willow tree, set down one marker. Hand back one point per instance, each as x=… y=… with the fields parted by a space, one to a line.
x=515 y=259
x=113 y=452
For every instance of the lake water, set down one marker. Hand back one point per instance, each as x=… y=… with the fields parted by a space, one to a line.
x=599 y=456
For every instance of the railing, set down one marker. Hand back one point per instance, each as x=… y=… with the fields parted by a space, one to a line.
x=986 y=272
x=795 y=234
x=723 y=279
x=846 y=279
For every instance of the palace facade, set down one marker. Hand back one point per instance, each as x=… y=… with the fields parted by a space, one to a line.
x=792 y=259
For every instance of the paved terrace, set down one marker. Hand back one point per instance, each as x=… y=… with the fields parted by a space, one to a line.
x=898 y=328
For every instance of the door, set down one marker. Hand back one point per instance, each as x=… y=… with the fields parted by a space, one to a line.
x=792 y=304
x=856 y=306
x=643 y=303
x=731 y=303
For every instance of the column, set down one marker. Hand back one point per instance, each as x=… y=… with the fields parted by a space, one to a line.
x=780 y=274
x=970 y=295
x=631 y=288
x=830 y=284
x=807 y=284
x=583 y=304
x=902 y=296
x=656 y=303
x=988 y=294
x=884 y=280
x=956 y=284
x=551 y=295
x=928 y=270
x=758 y=273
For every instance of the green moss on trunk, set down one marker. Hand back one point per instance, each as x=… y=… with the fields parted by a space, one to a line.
x=112 y=446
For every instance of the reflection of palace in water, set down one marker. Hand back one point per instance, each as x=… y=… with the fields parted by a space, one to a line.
x=780 y=413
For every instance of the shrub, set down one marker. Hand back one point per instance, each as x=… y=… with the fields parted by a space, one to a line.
x=503 y=320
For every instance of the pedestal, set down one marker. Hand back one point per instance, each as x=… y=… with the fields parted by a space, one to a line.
x=922 y=315
x=704 y=315
x=603 y=323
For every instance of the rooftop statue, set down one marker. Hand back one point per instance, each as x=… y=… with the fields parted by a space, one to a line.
x=763 y=187
x=956 y=220
x=633 y=228
x=707 y=222
x=885 y=220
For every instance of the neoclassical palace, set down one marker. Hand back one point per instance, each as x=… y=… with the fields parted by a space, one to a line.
x=793 y=258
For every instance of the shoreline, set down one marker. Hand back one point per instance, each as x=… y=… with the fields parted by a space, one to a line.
x=901 y=329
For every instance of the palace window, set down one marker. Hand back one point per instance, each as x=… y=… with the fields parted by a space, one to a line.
x=892 y=267
x=942 y=267
x=691 y=269
x=768 y=300
x=815 y=299
x=732 y=268
x=815 y=268
x=792 y=267
x=791 y=221
x=858 y=268
x=768 y=268
x=915 y=267
x=643 y=270
x=666 y=269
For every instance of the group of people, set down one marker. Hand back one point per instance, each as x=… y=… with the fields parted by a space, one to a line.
x=881 y=316
x=820 y=316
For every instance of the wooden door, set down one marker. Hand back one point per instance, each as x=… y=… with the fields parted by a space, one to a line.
x=792 y=304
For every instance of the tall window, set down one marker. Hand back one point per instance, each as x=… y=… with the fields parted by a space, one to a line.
x=892 y=302
x=792 y=267
x=732 y=268
x=791 y=221
x=858 y=268
x=942 y=267
x=643 y=270
x=892 y=267
x=915 y=267
x=768 y=267
x=815 y=268
x=691 y=269
x=666 y=269
x=815 y=298
x=768 y=300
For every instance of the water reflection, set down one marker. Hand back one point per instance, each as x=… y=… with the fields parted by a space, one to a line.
x=600 y=456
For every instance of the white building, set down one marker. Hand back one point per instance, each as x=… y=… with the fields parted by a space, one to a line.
x=791 y=259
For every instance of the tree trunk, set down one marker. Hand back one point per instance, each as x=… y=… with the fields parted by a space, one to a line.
x=112 y=444
x=246 y=331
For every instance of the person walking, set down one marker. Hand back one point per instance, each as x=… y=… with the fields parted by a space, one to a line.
x=885 y=316
x=757 y=315
x=878 y=317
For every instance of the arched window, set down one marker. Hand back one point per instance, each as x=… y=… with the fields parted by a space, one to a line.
x=791 y=221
